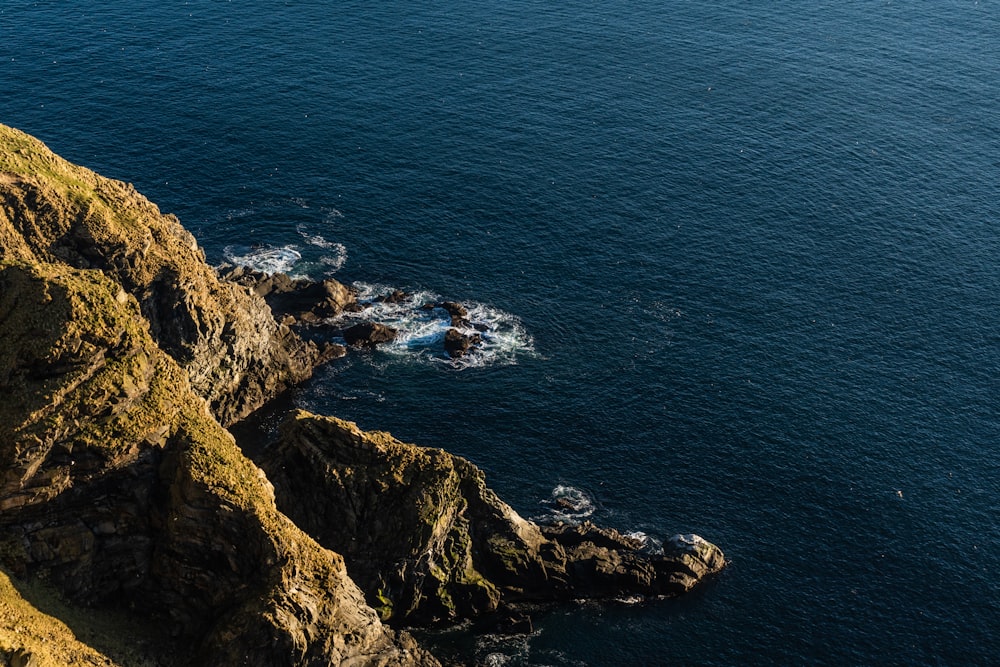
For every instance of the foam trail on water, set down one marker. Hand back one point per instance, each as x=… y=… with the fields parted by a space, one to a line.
x=567 y=504
x=422 y=328
x=268 y=259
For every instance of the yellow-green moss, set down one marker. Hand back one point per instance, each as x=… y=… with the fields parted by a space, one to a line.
x=26 y=630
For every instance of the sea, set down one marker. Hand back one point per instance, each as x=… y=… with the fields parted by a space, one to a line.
x=740 y=261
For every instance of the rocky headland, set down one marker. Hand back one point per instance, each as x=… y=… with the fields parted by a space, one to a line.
x=133 y=529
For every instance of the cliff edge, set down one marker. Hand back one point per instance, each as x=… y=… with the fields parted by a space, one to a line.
x=224 y=336
x=128 y=510
x=119 y=489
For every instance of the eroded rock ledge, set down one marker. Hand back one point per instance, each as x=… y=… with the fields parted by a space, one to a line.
x=427 y=540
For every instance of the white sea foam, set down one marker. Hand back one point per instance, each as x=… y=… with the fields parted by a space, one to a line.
x=336 y=259
x=567 y=504
x=268 y=259
x=501 y=650
x=649 y=543
x=330 y=214
x=422 y=329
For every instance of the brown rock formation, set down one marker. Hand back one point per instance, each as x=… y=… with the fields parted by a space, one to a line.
x=304 y=301
x=119 y=488
x=222 y=334
x=123 y=495
x=369 y=334
x=427 y=540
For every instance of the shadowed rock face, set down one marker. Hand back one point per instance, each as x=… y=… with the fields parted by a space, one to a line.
x=120 y=488
x=121 y=491
x=235 y=353
x=427 y=540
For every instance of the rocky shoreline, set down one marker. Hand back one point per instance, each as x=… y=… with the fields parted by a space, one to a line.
x=126 y=358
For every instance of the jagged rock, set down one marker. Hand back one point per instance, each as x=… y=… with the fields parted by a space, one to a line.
x=459 y=313
x=235 y=353
x=427 y=540
x=118 y=487
x=369 y=334
x=397 y=296
x=458 y=343
x=306 y=301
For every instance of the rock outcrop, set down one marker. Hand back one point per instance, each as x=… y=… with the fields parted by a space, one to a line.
x=296 y=301
x=427 y=540
x=369 y=334
x=236 y=355
x=120 y=489
x=122 y=493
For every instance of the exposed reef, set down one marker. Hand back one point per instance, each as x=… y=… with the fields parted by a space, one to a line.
x=127 y=508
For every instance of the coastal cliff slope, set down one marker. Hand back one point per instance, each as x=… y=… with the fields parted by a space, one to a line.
x=428 y=541
x=236 y=355
x=128 y=510
x=119 y=490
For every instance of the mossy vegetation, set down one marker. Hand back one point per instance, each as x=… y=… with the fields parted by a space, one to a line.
x=26 y=632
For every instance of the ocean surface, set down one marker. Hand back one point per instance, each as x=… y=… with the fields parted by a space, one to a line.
x=743 y=261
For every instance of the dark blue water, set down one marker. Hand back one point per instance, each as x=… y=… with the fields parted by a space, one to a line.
x=745 y=256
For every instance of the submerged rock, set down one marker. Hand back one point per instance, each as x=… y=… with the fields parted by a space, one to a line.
x=427 y=540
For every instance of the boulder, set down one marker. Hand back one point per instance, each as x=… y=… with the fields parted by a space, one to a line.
x=458 y=343
x=459 y=314
x=369 y=334
x=397 y=296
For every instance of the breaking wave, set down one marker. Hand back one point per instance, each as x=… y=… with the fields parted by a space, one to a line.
x=292 y=259
x=268 y=259
x=567 y=504
x=422 y=327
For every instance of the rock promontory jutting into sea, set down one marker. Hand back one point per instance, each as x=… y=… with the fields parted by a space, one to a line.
x=133 y=530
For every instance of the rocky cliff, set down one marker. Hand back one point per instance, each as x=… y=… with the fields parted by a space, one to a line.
x=120 y=489
x=234 y=352
x=427 y=540
x=127 y=509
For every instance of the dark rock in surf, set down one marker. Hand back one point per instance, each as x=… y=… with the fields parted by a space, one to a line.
x=307 y=301
x=397 y=296
x=458 y=344
x=369 y=334
x=459 y=313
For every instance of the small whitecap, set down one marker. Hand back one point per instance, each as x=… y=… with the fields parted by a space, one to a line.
x=330 y=214
x=268 y=259
x=567 y=504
